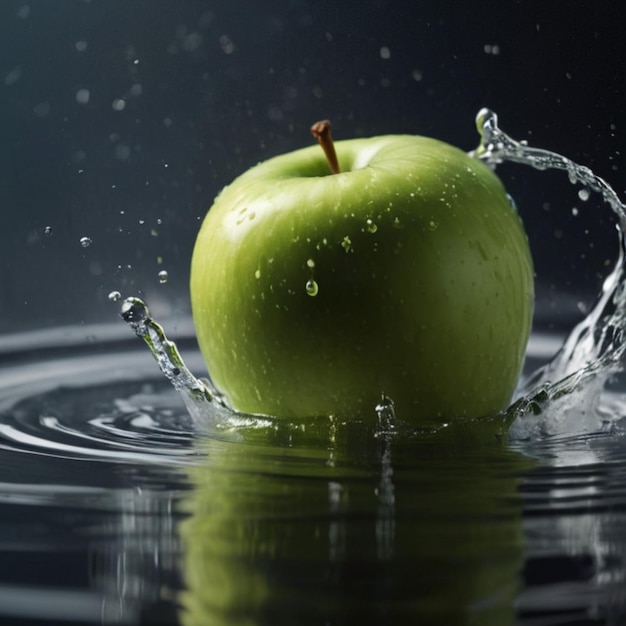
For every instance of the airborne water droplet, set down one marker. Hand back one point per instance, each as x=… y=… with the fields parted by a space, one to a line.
x=163 y=277
x=371 y=226
x=47 y=230
x=584 y=194
x=85 y=242
x=312 y=288
x=114 y=296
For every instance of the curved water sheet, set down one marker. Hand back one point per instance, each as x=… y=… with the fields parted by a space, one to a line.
x=567 y=395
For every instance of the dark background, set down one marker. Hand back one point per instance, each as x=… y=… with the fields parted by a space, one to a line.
x=183 y=95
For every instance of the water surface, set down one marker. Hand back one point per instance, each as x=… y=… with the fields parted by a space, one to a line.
x=113 y=512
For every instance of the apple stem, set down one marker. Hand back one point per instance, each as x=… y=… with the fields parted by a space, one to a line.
x=321 y=131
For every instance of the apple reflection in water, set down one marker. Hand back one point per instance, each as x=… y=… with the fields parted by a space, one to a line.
x=357 y=530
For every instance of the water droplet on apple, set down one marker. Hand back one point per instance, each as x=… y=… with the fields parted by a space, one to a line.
x=163 y=277
x=371 y=226
x=312 y=288
x=512 y=202
x=85 y=242
x=243 y=215
x=257 y=274
x=114 y=296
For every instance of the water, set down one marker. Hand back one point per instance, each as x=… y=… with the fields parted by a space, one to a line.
x=127 y=497
x=112 y=512
x=572 y=384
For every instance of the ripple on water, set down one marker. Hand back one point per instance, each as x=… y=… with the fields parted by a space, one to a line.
x=102 y=407
x=551 y=504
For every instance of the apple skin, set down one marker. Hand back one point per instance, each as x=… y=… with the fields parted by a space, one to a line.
x=423 y=284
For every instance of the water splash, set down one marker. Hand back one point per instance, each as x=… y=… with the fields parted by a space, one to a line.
x=562 y=397
x=572 y=383
x=199 y=396
x=496 y=146
x=386 y=512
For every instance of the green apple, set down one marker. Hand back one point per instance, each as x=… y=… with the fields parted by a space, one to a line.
x=405 y=273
